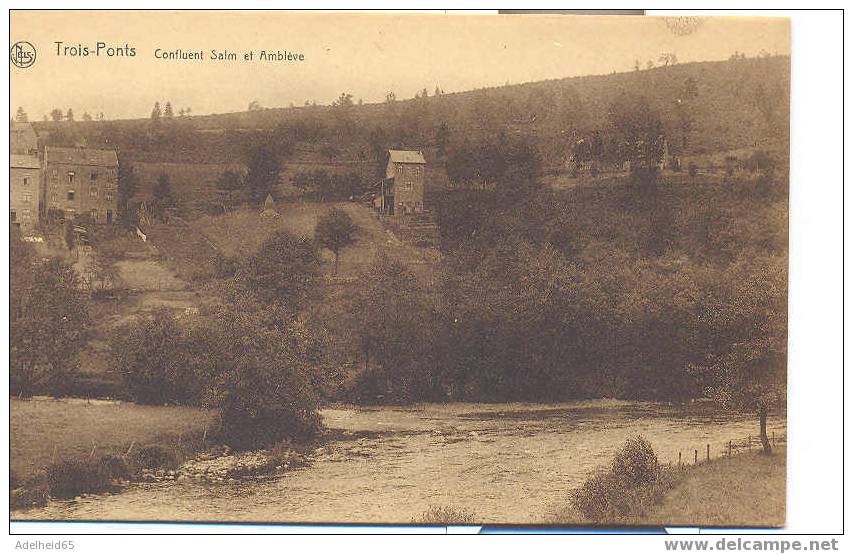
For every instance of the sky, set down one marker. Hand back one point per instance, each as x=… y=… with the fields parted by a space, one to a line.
x=366 y=55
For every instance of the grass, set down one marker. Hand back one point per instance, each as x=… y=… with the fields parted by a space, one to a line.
x=240 y=233
x=747 y=490
x=445 y=515
x=48 y=431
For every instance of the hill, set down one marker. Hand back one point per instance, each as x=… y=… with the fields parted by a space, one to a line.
x=705 y=107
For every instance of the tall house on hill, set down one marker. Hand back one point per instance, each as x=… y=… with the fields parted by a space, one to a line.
x=402 y=190
x=23 y=139
x=81 y=181
x=24 y=190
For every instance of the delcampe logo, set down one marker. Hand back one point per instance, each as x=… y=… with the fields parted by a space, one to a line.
x=23 y=54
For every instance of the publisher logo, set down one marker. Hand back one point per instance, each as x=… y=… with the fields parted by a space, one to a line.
x=23 y=54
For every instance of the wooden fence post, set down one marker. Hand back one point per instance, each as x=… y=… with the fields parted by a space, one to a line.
x=749 y=443
x=707 y=452
x=773 y=438
x=679 y=460
x=695 y=456
x=730 y=448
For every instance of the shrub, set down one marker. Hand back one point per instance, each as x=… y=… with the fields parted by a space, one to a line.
x=633 y=484
x=155 y=457
x=116 y=467
x=153 y=358
x=70 y=478
x=636 y=463
x=445 y=515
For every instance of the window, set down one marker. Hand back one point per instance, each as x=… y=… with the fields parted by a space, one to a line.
x=70 y=176
x=109 y=216
x=13 y=215
x=26 y=181
x=56 y=174
x=26 y=215
x=71 y=195
x=94 y=215
x=108 y=194
x=27 y=197
x=93 y=192
x=94 y=176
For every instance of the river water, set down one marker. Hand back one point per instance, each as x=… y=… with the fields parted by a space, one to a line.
x=506 y=463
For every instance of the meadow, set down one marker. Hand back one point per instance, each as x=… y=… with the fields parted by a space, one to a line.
x=44 y=431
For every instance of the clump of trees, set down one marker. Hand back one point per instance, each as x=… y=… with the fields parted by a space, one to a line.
x=323 y=186
x=255 y=363
x=48 y=323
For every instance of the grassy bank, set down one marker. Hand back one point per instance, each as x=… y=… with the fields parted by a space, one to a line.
x=63 y=435
x=747 y=490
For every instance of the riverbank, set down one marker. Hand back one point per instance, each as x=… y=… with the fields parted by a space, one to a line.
x=504 y=463
x=747 y=490
x=68 y=439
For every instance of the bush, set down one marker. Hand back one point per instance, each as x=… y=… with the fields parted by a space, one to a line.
x=636 y=463
x=115 y=466
x=634 y=483
x=70 y=478
x=444 y=515
x=155 y=457
x=153 y=358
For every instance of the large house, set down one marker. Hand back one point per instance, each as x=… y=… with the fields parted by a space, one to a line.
x=24 y=190
x=80 y=181
x=402 y=190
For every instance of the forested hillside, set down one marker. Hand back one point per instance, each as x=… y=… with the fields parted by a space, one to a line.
x=705 y=107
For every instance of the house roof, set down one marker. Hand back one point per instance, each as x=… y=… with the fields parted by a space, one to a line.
x=23 y=161
x=80 y=156
x=406 y=156
x=22 y=127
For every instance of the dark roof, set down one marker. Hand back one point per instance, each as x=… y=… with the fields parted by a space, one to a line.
x=22 y=161
x=406 y=156
x=80 y=156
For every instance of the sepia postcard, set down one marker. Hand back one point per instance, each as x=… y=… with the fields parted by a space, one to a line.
x=413 y=269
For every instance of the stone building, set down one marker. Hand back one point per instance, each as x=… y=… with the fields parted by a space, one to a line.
x=24 y=190
x=80 y=181
x=402 y=189
x=23 y=139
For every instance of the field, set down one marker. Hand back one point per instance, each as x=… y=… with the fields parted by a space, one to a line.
x=242 y=232
x=44 y=430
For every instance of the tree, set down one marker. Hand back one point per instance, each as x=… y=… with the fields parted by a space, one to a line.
x=154 y=361
x=343 y=101
x=167 y=111
x=156 y=112
x=127 y=186
x=263 y=168
x=391 y=321
x=255 y=106
x=69 y=115
x=335 y=231
x=266 y=389
x=56 y=114
x=21 y=115
x=230 y=183
x=162 y=193
x=746 y=323
x=49 y=325
x=282 y=270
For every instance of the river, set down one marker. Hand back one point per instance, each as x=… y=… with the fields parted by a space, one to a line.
x=506 y=463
